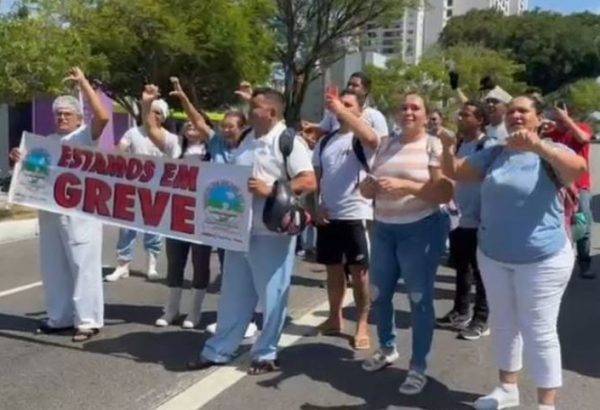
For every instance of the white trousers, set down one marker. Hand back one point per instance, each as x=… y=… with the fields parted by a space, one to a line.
x=71 y=265
x=524 y=302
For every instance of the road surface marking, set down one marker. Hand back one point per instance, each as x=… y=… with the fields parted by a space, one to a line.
x=215 y=383
x=20 y=289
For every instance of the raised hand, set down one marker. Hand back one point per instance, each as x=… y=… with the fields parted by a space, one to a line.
x=76 y=75
x=244 y=91
x=15 y=154
x=332 y=100
x=561 y=112
x=150 y=93
x=177 y=90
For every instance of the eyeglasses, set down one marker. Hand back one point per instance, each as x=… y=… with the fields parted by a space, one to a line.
x=66 y=114
x=493 y=101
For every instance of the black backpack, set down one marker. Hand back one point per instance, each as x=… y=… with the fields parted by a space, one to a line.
x=286 y=146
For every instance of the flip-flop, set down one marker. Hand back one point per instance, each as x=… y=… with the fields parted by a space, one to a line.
x=83 y=335
x=259 y=367
x=362 y=343
x=326 y=330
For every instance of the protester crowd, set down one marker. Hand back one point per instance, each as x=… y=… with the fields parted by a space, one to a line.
x=508 y=193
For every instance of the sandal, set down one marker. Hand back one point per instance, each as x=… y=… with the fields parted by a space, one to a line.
x=362 y=343
x=83 y=335
x=414 y=383
x=326 y=329
x=258 y=367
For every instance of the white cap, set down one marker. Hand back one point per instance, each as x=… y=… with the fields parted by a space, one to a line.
x=499 y=94
x=67 y=103
x=162 y=106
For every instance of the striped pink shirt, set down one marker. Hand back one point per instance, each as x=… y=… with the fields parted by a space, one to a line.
x=410 y=161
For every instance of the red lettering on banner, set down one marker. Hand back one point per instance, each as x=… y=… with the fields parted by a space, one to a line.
x=116 y=166
x=182 y=213
x=186 y=178
x=97 y=194
x=149 y=168
x=77 y=159
x=168 y=174
x=65 y=156
x=88 y=158
x=100 y=165
x=65 y=193
x=153 y=210
x=124 y=202
x=134 y=169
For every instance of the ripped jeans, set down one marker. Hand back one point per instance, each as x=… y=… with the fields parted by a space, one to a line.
x=411 y=251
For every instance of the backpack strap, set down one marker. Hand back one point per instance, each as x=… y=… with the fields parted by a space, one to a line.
x=286 y=146
x=359 y=151
x=324 y=141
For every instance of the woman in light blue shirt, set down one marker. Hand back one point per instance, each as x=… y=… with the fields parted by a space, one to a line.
x=525 y=254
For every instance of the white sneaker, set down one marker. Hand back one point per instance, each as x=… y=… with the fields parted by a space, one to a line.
x=152 y=273
x=380 y=360
x=250 y=330
x=212 y=328
x=503 y=397
x=121 y=271
x=171 y=308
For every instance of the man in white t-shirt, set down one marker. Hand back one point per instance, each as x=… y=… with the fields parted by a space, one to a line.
x=263 y=274
x=342 y=160
x=496 y=102
x=360 y=84
x=137 y=140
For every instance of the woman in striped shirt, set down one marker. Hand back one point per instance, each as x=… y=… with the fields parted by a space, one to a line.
x=409 y=235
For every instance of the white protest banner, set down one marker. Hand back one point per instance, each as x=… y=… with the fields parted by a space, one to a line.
x=194 y=201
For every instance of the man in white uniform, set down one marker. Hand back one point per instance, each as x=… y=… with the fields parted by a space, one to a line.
x=137 y=141
x=71 y=247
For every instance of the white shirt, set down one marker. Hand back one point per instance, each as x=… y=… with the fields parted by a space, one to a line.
x=81 y=136
x=370 y=115
x=265 y=158
x=341 y=171
x=136 y=140
x=497 y=132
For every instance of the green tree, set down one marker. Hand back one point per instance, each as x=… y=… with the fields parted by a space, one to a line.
x=582 y=97
x=555 y=49
x=430 y=77
x=316 y=33
x=36 y=53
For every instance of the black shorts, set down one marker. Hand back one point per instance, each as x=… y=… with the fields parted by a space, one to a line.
x=343 y=242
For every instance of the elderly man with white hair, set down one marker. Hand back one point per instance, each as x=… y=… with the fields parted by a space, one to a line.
x=71 y=247
x=138 y=140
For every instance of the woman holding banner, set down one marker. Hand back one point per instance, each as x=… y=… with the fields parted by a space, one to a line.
x=71 y=247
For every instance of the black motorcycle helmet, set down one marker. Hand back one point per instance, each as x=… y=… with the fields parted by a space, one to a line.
x=283 y=213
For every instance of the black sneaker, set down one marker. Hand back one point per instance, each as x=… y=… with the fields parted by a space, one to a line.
x=475 y=330
x=454 y=320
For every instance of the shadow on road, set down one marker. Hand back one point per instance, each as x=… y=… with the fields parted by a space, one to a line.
x=336 y=367
x=578 y=324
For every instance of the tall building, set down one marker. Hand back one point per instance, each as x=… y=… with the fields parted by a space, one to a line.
x=420 y=27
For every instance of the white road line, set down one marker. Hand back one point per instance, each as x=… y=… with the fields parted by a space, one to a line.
x=20 y=289
x=205 y=390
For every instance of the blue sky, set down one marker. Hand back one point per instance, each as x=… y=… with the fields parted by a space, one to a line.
x=563 y=6
x=566 y=6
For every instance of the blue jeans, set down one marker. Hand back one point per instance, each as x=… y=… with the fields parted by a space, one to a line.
x=411 y=251
x=583 y=245
x=262 y=276
x=126 y=244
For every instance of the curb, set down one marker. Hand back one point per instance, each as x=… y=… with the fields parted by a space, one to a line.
x=12 y=231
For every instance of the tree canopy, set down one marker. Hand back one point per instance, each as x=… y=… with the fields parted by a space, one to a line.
x=555 y=49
